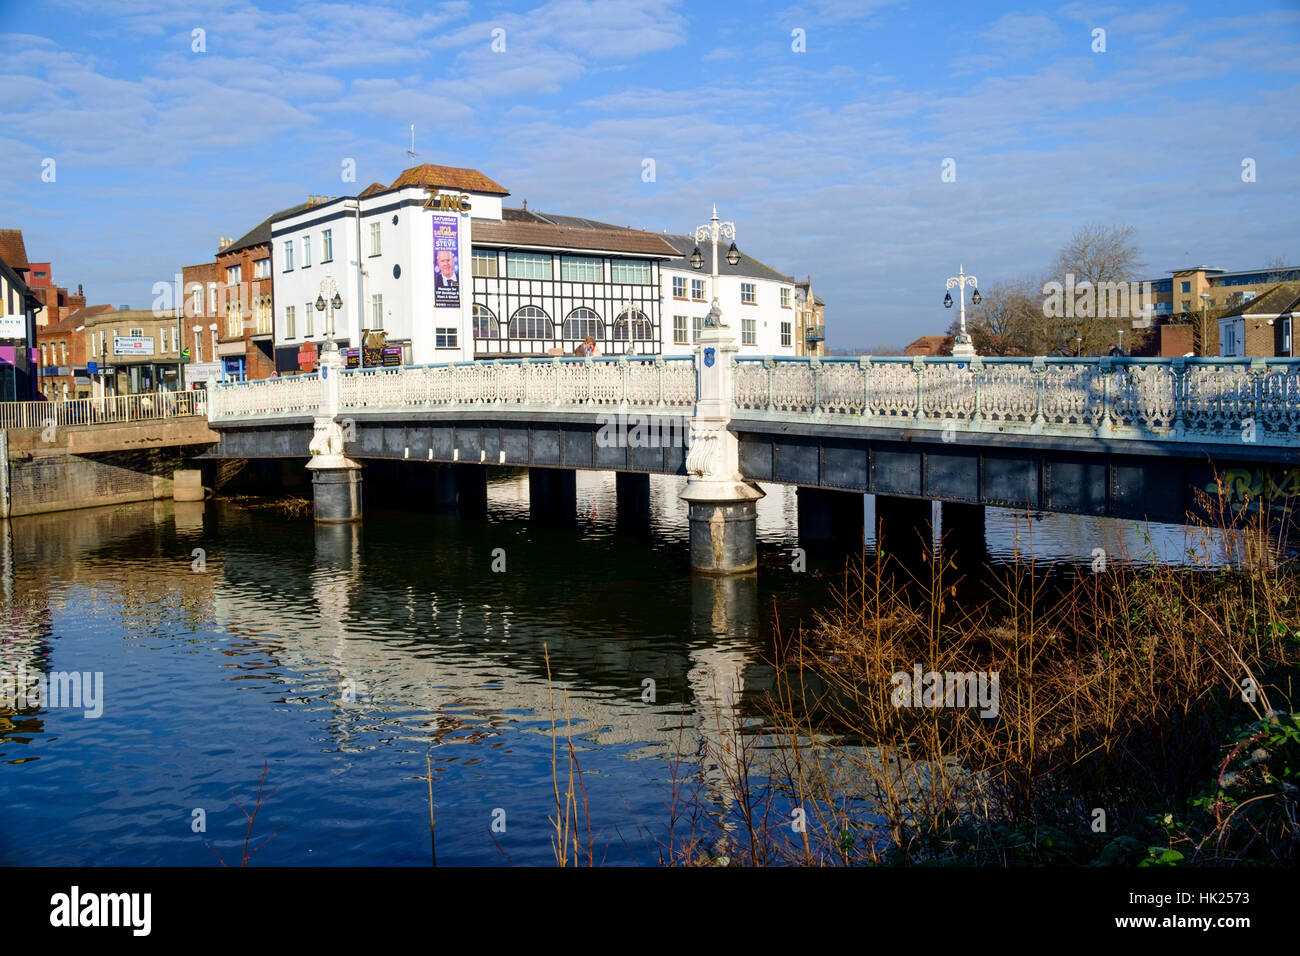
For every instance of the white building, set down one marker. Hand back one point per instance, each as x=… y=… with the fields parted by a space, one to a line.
x=522 y=283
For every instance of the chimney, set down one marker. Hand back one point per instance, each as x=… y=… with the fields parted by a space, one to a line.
x=525 y=205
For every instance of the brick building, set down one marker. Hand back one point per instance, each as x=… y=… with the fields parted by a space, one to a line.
x=64 y=371
x=136 y=351
x=21 y=308
x=1262 y=326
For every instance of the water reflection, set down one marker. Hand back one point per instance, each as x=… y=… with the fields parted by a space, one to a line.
x=342 y=655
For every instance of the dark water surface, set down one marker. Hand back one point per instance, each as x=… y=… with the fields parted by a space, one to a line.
x=342 y=658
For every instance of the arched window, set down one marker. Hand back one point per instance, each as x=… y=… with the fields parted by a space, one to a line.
x=530 y=322
x=583 y=322
x=633 y=325
x=486 y=325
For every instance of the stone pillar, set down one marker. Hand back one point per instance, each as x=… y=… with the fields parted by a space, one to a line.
x=831 y=519
x=187 y=485
x=444 y=488
x=904 y=527
x=722 y=504
x=962 y=530
x=632 y=495
x=553 y=495
x=336 y=479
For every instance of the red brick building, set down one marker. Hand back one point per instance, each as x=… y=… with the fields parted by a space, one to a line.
x=63 y=358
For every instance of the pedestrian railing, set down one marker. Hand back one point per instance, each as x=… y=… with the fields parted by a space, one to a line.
x=286 y=395
x=95 y=411
x=1215 y=400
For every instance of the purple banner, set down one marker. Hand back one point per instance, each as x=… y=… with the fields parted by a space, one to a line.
x=446 y=262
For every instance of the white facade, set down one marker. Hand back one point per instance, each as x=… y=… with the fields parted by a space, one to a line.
x=401 y=272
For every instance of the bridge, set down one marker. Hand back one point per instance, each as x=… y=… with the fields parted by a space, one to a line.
x=1159 y=439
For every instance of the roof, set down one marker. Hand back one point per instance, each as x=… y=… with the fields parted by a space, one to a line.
x=926 y=345
x=551 y=235
x=260 y=235
x=1280 y=299
x=1195 y=269
x=12 y=249
x=372 y=189
x=449 y=177
x=748 y=267
x=531 y=215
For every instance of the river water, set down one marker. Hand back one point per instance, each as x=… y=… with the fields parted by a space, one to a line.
x=348 y=660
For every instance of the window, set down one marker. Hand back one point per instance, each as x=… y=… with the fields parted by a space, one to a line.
x=583 y=322
x=309 y=320
x=376 y=310
x=581 y=269
x=748 y=294
x=1286 y=336
x=262 y=267
x=198 y=346
x=1187 y=305
x=234 y=317
x=63 y=349
x=135 y=333
x=748 y=331
x=524 y=265
x=1185 y=287
x=486 y=325
x=679 y=287
x=374 y=239
x=306 y=251
x=785 y=298
x=786 y=338
x=483 y=262
x=630 y=271
x=162 y=340
x=212 y=298
x=679 y=330
x=290 y=322
x=197 y=292
x=264 y=320
x=288 y=256
x=234 y=275
x=45 y=358
x=1247 y=296
x=697 y=290
x=530 y=322
x=327 y=246
x=445 y=338
x=697 y=326
x=633 y=325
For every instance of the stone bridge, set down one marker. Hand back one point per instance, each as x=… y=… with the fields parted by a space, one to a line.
x=1159 y=439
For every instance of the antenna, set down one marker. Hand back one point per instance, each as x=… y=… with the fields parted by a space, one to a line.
x=411 y=152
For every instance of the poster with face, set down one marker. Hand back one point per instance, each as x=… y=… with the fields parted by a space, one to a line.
x=446 y=264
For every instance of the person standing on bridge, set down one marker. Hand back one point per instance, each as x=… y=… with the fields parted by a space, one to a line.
x=588 y=347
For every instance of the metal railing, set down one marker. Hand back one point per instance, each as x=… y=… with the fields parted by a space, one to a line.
x=95 y=411
x=286 y=395
x=1215 y=400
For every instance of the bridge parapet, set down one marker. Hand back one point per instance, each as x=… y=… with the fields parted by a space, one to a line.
x=501 y=385
x=1207 y=400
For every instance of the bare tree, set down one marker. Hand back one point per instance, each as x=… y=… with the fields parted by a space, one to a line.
x=1276 y=269
x=1007 y=320
x=1097 y=253
x=1095 y=260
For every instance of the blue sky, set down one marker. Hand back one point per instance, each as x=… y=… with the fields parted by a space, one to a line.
x=829 y=160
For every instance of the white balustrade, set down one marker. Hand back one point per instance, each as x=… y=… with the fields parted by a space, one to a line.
x=96 y=411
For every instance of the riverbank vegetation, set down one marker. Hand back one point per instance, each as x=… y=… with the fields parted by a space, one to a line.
x=1146 y=715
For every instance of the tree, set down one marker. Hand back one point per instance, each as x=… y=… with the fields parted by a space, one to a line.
x=1007 y=320
x=1276 y=269
x=1096 y=260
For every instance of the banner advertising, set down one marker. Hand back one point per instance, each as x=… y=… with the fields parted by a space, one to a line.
x=13 y=327
x=392 y=355
x=446 y=262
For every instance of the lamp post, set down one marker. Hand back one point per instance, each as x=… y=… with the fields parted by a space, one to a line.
x=714 y=231
x=963 y=347
x=1205 y=330
x=329 y=297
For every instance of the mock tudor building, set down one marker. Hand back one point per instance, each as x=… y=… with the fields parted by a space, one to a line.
x=438 y=269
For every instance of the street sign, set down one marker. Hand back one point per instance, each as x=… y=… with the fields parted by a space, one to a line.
x=92 y=368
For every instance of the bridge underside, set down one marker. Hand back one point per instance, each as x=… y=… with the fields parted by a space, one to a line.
x=1123 y=479
x=557 y=441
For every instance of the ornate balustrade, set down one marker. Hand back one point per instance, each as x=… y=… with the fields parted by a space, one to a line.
x=503 y=385
x=269 y=397
x=98 y=411
x=1214 y=400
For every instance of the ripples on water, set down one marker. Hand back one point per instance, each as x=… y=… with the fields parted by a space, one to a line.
x=340 y=657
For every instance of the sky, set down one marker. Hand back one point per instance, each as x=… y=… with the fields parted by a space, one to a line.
x=876 y=146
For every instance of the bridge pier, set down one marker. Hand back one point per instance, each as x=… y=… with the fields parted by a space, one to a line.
x=553 y=495
x=830 y=519
x=723 y=535
x=962 y=531
x=336 y=494
x=459 y=489
x=904 y=527
x=632 y=496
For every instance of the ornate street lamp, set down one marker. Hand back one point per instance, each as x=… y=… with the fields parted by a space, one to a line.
x=963 y=347
x=329 y=298
x=714 y=231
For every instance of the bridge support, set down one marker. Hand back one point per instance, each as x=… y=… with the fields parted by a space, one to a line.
x=553 y=495
x=830 y=518
x=459 y=489
x=187 y=485
x=962 y=529
x=632 y=496
x=336 y=494
x=904 y=527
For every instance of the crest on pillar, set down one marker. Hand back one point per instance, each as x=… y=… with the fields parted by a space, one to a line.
x=710 y=356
